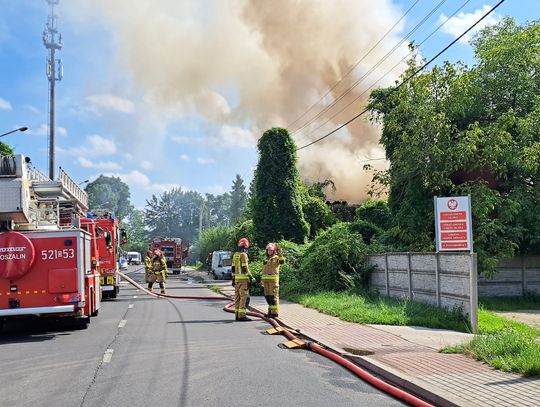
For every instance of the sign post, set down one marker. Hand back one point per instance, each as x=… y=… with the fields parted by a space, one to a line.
x=453 y=232
x=453 y=226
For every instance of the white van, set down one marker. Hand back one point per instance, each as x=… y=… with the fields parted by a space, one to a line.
x=134 y=258
x=221 y=264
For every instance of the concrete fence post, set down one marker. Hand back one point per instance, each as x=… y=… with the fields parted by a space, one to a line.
x=409 y=274
x=473 y=312
x=437 y=280
x=387 y=280
x=523 y=274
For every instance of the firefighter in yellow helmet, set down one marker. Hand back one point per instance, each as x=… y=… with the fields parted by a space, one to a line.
x=270 y=278
x=241 y=280
x=159 y=271
x=147 y=265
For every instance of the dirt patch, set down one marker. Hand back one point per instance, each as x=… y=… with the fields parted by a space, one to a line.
x=529 y=317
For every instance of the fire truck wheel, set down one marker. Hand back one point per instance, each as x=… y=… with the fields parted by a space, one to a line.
x=81 y=322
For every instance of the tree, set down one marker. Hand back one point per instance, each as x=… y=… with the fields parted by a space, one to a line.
x=137 y=235
x=318 y=215
x=458 y=130
x=238 y=199
x=5 y=149
x=174 y=213
x=217 y=210
x=277 y=206
x=109 y=193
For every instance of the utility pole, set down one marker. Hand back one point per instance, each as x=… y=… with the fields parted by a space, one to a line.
x=200 y=218
x=54 y=73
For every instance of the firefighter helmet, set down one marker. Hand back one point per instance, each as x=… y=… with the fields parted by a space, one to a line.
x=157 y=253
x=149 y=252
x=243 y=243
x=271 y=249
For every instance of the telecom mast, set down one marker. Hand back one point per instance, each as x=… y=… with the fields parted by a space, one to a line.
x=54 y=73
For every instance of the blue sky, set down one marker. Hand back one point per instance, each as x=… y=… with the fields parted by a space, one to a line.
x=168 y=93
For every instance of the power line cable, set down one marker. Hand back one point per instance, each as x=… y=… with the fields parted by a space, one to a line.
x=355 y=65
x=406 y=80
x=373 y=68
x=391 y=69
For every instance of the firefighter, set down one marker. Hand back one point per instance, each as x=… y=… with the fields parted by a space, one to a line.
x=270 y=278
x=159 y=271
x=241 y=280
x=147 y=265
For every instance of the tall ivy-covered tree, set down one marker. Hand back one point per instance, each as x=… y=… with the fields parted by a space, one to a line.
x=238 y=199
x=277 y=207
x=109 y=193
x=457 y=130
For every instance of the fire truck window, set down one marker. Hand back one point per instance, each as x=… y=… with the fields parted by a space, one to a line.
x=123 y=236
x=108 y=239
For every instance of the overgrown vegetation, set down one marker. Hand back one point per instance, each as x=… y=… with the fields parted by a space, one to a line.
x=457 y=130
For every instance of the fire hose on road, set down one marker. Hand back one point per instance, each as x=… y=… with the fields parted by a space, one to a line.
x=361 y=373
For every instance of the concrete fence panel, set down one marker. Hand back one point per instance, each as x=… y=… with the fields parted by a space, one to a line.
x=447 y=280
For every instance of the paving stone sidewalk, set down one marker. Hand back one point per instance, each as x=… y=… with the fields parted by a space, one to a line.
x=443 y=379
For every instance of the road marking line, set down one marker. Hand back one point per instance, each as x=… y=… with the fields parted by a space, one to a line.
x=134 y=296
x=108 y=355
x=122 y=323
x=130 y=306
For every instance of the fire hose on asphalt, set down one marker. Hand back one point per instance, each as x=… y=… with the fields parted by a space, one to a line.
x=361 y=373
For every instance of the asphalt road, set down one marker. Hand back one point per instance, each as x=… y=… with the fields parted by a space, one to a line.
x=142 y=351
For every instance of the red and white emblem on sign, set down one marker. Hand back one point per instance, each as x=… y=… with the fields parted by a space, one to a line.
x=452 y=204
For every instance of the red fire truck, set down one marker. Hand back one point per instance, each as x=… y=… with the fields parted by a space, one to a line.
x=48 y=250
x=175 y=250
x=109 y=250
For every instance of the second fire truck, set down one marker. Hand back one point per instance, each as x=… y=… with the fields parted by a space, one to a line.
x=175 y=250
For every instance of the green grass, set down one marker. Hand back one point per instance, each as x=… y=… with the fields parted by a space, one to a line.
x=502 y=343
x=368 y=308
x=528 y=302
x=510 y=349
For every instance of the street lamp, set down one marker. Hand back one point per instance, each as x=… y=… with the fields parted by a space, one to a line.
x=13 y=131
x=84 y=182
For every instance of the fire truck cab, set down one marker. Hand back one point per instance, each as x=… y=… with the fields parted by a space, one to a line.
x=48 y=250
x=109 y=250
x=175 y=251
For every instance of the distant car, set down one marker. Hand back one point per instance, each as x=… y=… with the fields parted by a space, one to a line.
x=221 y=264
x=123 y=263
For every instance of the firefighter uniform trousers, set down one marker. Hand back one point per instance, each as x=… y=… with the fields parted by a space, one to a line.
x=147 y=268
x=270 y=282
x=159 y=271
x=242 y=282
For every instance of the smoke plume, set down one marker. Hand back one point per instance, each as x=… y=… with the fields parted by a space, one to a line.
x=258 y=64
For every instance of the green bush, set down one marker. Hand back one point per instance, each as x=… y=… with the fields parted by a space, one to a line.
x=213 y=239
x=334 y=261
x=376 y=212
x=318 y=215
x=368 y=230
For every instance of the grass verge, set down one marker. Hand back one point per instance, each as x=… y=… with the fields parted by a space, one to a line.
x=504 y=344
x=370 y=308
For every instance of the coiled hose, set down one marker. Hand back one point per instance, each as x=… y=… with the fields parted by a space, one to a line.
x=361 y=373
